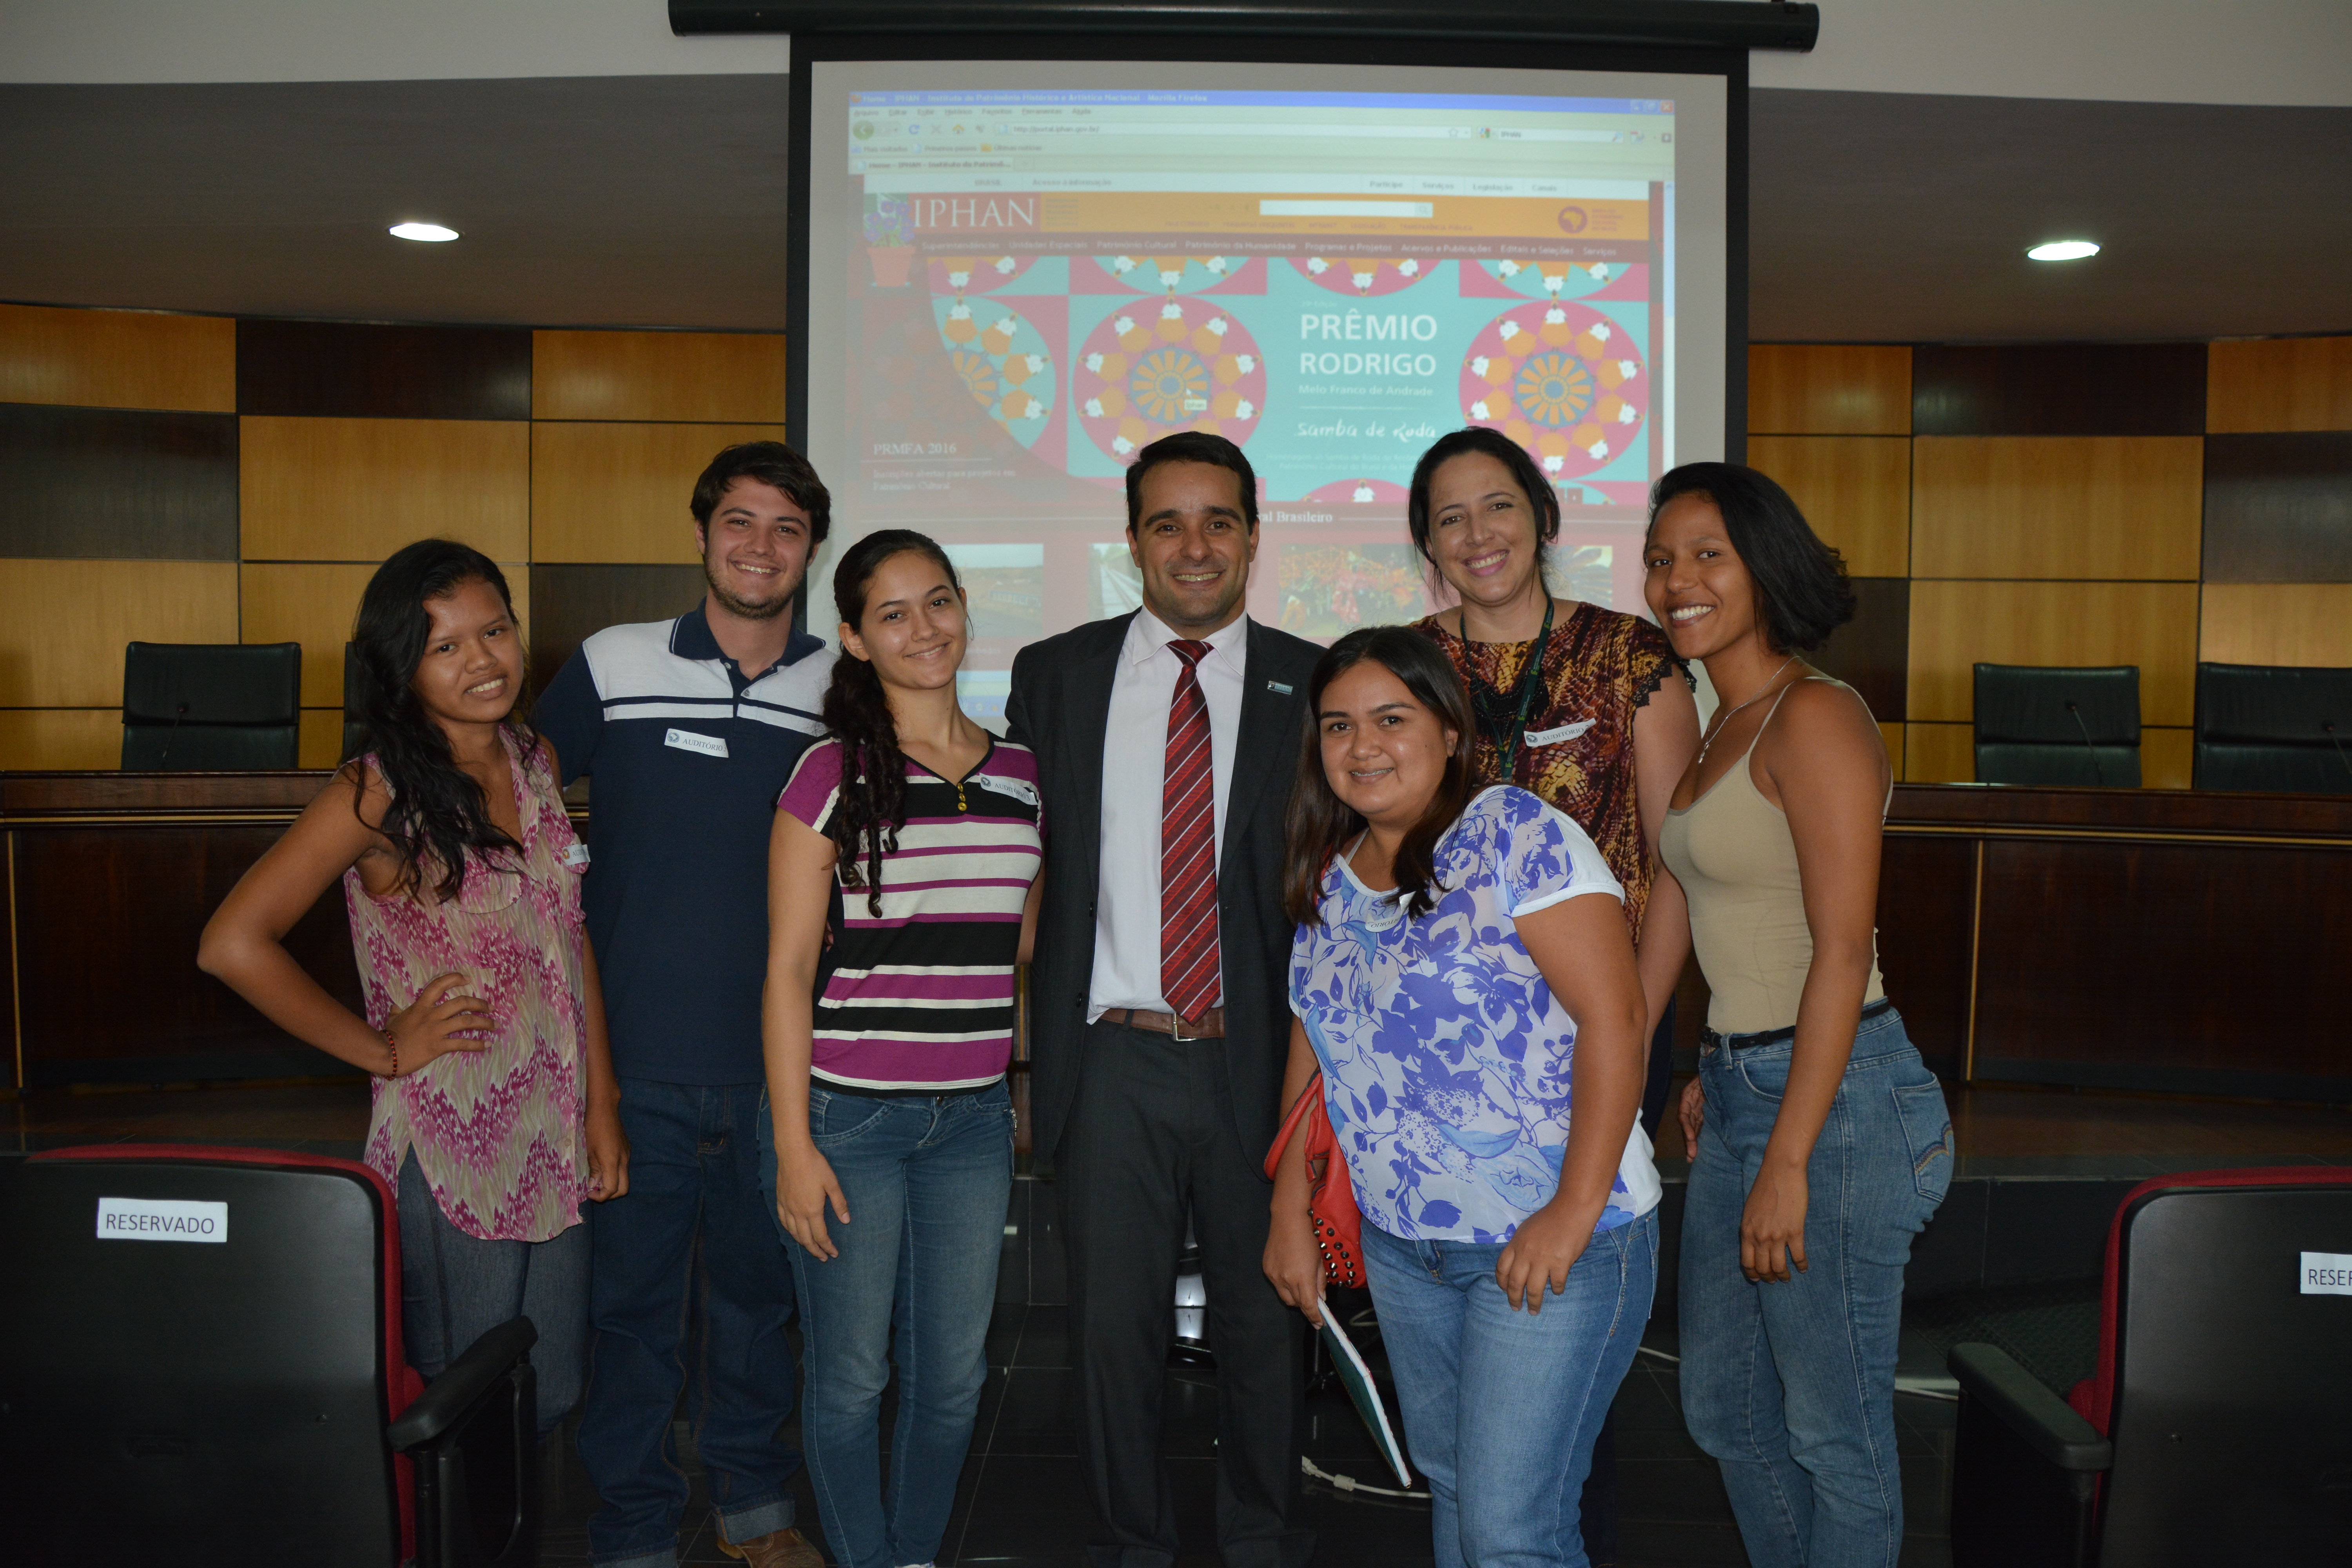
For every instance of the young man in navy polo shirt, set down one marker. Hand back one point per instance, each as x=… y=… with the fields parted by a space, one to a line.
x=690 y=729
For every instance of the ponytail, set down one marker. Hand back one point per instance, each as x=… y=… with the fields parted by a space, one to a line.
x=872 y=806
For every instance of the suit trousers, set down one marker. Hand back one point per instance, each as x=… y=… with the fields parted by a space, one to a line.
x=1150 y=1139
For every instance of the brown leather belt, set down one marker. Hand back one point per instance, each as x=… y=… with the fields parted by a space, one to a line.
x=1210 y=1026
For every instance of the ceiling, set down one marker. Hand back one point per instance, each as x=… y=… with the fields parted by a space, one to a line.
x=660 y=201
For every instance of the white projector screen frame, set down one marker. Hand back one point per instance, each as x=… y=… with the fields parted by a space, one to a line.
x=1044 y=579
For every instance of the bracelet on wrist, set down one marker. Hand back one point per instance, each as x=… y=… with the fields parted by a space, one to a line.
x=392 y=1044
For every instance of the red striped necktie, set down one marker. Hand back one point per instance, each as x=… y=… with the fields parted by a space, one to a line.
x=1190 y=978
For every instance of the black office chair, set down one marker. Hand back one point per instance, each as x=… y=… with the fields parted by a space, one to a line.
x=2038 y=724
x=2213 y=1429
x=200 y=1362
x=2274 y=727
x=211 y=707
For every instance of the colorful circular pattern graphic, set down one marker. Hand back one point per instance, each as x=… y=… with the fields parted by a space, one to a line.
x=1173 y=274
x=1555 y=279
x=1363 y=276
x=1562 y=379
x=1154 y=369
x=1003 y=361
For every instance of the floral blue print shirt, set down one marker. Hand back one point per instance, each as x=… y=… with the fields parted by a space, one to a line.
x=1446 y=1060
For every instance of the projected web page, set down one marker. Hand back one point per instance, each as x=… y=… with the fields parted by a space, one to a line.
x=1029 y=284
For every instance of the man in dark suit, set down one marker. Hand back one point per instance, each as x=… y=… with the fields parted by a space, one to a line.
x=1166 y=741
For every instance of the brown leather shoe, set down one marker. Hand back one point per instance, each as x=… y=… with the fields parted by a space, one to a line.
x=778 y=1549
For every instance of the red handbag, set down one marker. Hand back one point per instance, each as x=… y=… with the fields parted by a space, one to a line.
x=1331 y=1199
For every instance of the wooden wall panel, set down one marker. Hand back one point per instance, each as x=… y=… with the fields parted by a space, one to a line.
x=349 y=370
x=2277 y=622
x=1870 y=652
x=311 y=603
x=1956 y=626
x=2059 y=389
x=2278 y=508
x=63 y=624
x=2278 y=384
x=117 y=484
x=711 y=377
x=61 y=737
x=2165 y=757
x=1938 y=753
x=118 y=358
x=617 y=493
x=1854 y=490
x=358 y=490
x=1828 y=389
x=576 y=601
x=1891 y=737
x=322 y=735
x=2056 y=506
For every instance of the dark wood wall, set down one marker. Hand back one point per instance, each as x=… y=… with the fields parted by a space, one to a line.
x=182 y=478
x=2148 y=504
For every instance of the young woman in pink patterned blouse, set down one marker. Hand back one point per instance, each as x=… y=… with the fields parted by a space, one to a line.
x=496 y=1111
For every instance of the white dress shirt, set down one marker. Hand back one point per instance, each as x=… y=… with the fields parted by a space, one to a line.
x=1135 y=767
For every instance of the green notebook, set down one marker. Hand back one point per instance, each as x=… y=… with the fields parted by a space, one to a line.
x=1358 y=1379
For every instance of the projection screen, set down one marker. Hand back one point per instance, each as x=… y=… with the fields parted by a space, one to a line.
x=1018 y=273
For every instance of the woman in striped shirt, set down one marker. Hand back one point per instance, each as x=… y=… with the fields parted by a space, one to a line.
x=920 y=835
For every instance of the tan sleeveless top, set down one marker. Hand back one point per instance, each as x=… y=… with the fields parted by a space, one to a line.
x=1731 y=850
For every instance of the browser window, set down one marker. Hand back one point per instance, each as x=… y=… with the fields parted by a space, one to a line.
x=1035 y=282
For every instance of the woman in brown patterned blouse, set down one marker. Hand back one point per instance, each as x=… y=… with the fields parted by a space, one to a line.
x=1603 y=729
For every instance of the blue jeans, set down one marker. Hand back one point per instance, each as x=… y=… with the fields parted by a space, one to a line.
x=456 y=1288
x=1501 y=1405
x=1792 y=1386
x=690 y=1240
x=928 y=1179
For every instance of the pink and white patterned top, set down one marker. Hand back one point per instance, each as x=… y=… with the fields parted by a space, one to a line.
x=497 y=1133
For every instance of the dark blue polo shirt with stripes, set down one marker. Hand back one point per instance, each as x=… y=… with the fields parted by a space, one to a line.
x=688 y=757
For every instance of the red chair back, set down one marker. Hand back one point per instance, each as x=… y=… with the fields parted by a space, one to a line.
x=2224 y=1355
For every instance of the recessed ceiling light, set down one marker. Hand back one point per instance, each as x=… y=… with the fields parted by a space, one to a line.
x=2056 y=250
x=434 y=232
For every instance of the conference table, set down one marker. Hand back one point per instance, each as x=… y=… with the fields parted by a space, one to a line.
x=2158 y=939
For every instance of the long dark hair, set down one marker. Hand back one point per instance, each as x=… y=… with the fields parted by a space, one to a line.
x=438 y=811
x=1802 y=593
x=1320 y=823
x=872 y=807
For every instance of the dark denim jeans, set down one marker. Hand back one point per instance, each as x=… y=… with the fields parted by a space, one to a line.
x=456 y=1288
x=928 y=1179
x=1791 y=1386
x=1501 y=1405
x=693 y=1239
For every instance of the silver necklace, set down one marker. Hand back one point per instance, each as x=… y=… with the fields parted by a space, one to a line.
x=1723 y=718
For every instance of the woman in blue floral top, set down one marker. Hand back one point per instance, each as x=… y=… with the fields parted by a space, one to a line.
x=1464 y=980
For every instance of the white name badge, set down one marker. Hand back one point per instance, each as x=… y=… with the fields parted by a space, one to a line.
x=687 y=740
x=577 y=856
x=161 y=1219
x=1019 y=789
x=2327 y=1274
x=1554 y=737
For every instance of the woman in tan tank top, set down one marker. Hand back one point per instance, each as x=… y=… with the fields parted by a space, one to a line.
x=1820 y=1143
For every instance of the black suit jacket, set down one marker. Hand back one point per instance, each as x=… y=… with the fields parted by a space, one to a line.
x=1059 y=708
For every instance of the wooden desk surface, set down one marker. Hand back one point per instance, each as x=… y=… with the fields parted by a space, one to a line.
x=2148 y=939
